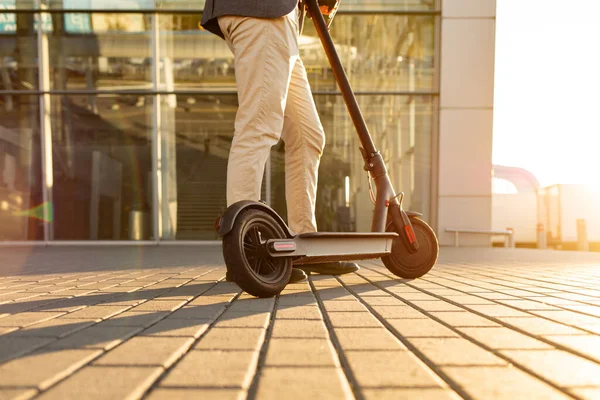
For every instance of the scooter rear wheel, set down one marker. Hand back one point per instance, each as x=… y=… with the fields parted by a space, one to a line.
x=409 y=265
x=246 y=256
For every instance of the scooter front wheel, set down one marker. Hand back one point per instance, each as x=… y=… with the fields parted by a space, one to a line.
x=409 y=265
x=247 y=258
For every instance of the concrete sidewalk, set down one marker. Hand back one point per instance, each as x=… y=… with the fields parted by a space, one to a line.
x=160 y=323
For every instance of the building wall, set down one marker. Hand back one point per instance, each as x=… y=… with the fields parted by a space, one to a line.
x=465 y=124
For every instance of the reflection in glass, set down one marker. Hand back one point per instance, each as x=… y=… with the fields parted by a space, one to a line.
x=101 y=51
x=191 y=58
x=196 y=137
x=100 y=4
x=102 y=167
x=21 y=204
x=18 y=53
x=401 y=130
x=379 y=53
x=381 y=5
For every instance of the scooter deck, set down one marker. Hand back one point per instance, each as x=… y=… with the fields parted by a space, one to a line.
x=318 y=247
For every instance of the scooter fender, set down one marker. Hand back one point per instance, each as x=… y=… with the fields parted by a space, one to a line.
x=225 y=223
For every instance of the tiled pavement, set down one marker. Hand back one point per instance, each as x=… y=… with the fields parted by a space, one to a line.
x=161 y=323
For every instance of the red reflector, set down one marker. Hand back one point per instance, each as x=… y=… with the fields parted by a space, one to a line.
x=284 y=246
x=410 y=233
x=218 y=224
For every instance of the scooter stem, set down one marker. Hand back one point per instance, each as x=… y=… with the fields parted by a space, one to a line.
x=341 y=77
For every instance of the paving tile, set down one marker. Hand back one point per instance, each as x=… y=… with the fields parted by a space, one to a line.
x=367 y=339
x=339 y=294
x=353 y=319
x=417 y=295
x=558 y=366
x=204 y=394
x=382 y=368
x=464 y=318
x=455 y=351
x=57 y=327
x=105 y=383
x=244 y=319
x=27 y=318
x=12 y=346
x=465 y=299
x=301 y=312
x=417 y=393
x=287 y=328
x=586 y=393
x=503 y=338
x=95 y=337
x=43 y=369
x=74 y=292
x=231 y=339
x=585 y=344
x=16 y=394
x=383 y=301
x=231 y=369
x=297 y=300
x=569 y=317
x=36 y=304
x=299 y=353
x=130 y=318
x=420 y=328
x=501 y=383
x=402 y=311
x=199 y=312
x=252 y=305
x=145 y=351
x=178 y=328
x=97 y=312
x=435 y=305
x=497 y=310
x=528 y=305
x=301 y=383
x=343 y=306
x=159 y=305
x=538 y=326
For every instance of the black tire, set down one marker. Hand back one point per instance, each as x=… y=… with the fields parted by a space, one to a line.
x=408 y=265
x=248 y=263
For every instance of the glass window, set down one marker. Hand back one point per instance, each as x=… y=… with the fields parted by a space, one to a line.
x=196 y=136
x=102 y=161
x=101 y=51
x=21 y=205
x=401 y=129
x=380 y=5
x=379 y=53
x=371 y=5
x=18 y=52
x=100 y=4
x=190 y=58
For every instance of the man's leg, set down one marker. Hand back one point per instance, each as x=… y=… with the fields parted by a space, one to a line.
x=304 y=142
x=265 y=51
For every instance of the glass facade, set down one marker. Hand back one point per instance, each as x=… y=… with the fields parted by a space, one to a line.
x=116 y=117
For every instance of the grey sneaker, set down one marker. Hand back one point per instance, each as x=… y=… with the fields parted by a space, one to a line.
x=330 y=268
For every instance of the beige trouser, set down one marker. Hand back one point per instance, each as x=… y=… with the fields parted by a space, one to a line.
x=274 y=101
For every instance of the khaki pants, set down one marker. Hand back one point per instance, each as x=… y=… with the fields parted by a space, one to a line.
x=275 y=102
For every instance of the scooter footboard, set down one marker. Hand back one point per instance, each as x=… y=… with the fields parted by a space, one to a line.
x=320 y=247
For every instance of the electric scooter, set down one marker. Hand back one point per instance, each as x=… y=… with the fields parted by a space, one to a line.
x=259 y=248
